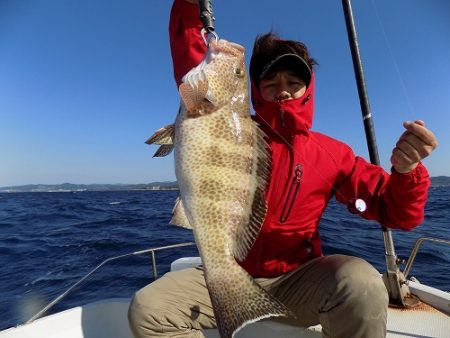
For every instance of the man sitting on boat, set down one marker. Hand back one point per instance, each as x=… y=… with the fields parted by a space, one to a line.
x=342 y=293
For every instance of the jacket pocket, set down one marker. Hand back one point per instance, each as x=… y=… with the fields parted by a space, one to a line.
x=292 y=193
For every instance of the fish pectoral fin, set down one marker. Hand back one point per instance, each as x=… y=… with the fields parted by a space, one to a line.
x=179 y=215
x=247 y=232
x=194 y=95
x=164 y=137
x=163 y=150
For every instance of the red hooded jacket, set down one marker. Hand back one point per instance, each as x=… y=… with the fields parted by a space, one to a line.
x=308 y=168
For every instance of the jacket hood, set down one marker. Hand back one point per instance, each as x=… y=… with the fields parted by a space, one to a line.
x=286 y=118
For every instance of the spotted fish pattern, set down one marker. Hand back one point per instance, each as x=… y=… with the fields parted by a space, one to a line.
x=222 y=167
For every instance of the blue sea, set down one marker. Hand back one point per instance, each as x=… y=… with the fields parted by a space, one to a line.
x=50 y=240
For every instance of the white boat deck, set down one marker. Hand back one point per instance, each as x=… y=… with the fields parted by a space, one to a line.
x=108 y=319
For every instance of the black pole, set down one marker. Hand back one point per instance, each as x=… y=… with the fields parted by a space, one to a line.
x=362 y=91
x=393 y=278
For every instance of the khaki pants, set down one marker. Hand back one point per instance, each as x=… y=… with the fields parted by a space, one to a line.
x=342 y=293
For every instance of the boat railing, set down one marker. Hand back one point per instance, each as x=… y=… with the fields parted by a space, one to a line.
x=152 y=252
x=415 y=250
x=106 y=261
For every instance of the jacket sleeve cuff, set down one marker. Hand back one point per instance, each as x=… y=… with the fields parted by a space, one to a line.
x=405 y=198
x=417 y=175
x=186 y=43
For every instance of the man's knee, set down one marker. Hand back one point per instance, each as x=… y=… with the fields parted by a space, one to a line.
x=360 y=283
x=143 y=316
x=149 y=308
x=170 y=306
x=358 y=274
x=357 y=304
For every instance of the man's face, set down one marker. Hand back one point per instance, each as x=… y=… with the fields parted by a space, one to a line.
x=281 y=85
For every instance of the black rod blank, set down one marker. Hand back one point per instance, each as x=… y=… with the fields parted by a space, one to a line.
x=362 y=90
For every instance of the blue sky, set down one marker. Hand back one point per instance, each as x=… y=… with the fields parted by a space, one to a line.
x=84 y=83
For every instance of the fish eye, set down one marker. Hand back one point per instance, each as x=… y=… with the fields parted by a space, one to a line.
x=239 y=72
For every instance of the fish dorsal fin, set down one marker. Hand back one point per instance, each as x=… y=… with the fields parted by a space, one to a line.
x=179 y=215
x=246 y=233
x=193 y=95
x=164 y=137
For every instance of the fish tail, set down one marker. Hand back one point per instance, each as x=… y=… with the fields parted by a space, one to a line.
x=239 y=300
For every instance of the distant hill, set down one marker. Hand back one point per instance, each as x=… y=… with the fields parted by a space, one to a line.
x=67 y=187
x=438 y=181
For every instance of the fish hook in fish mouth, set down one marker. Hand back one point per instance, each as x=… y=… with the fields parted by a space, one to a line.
x=211 y=34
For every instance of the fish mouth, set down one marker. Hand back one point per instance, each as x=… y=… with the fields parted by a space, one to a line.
x=237 y=46
x=222 y=44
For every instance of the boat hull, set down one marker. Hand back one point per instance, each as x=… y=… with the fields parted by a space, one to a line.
x=108 y=319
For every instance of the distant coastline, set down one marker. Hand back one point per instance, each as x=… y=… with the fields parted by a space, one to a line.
x=438 y=181
x=69 y=187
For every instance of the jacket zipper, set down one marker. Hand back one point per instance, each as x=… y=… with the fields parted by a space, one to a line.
x=282 y=117
x=292 y=193
x=281 y=112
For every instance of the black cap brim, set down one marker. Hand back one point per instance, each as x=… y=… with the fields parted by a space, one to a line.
x=289 y=61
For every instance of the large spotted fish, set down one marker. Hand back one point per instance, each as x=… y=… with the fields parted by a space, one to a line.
x=222 y=165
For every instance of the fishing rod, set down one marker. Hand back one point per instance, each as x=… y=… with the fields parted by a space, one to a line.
x=393 y=278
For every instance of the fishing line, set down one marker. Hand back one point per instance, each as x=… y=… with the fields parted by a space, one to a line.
x=394 y=61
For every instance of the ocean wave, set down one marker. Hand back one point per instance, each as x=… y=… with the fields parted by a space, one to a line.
x=49 y=241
